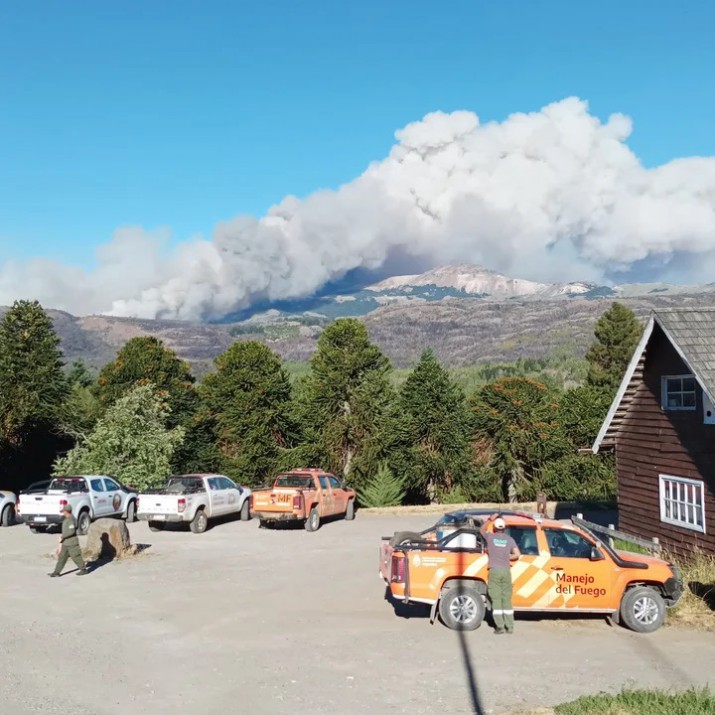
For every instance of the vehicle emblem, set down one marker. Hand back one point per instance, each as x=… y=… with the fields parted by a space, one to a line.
x=416 y=560
x=116 y=501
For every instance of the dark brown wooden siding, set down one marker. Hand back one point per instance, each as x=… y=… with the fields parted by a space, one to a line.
x=652 y=441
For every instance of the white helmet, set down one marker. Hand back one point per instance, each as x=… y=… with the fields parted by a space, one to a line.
x=499 y=523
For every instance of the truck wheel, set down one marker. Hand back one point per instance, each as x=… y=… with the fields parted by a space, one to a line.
x=83 y=522
x=245 y=514
x=642 y=609
x=312 y=523
x=350 y=511
x=199 y=523
x=404 y=537
x=462 y=608
x=131 y=512
x=8 y=516
x=156 y=526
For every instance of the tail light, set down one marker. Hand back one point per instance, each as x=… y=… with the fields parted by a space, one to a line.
x=136 y=503
x=63 y=504
x=182 y=505
x=17 y=505
x=298 y=502
x=397 y=570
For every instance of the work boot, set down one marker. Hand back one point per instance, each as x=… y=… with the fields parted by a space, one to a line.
x=53 y=575
x=82 y=572
x=499 y=632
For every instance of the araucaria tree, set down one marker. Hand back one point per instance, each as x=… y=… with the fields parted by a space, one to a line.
x=617 y=333
x=518 y=419
x=130 y=442
x=343 y=405
x=33 y=385
x=247 y=399
x=431 y=432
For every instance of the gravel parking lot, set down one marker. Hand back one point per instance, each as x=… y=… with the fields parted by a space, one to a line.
x=242 y=619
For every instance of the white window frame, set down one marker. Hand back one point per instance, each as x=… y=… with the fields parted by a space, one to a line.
x=679 y=502
x=664 y=393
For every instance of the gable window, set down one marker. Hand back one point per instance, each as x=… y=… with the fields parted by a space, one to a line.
x=678 y=392
x=681 y=502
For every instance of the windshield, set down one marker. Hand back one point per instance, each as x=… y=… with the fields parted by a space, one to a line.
x=294 y=480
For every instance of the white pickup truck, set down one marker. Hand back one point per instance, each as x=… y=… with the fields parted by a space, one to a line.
x=8 y=507
x=194 y=499
x=91 y=497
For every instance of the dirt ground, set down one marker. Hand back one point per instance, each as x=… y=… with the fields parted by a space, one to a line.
x=242 y=619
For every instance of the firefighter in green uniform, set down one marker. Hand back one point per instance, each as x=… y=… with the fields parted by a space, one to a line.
x=69 y=544
x=502 y=552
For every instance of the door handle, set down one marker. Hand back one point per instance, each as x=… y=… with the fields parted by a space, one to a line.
x=557 y=568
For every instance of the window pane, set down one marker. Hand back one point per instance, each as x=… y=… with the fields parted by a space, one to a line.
x=688 y=399
x=97 y=485
x=675 y=400
x=525 y=538
x=688 y=384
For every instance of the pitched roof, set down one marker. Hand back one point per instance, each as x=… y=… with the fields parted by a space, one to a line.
x=691 y=331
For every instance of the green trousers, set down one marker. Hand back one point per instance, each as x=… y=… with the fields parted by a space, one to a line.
x=499 y=591
x=71 y=551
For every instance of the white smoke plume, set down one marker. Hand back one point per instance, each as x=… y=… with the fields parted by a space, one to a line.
x=551 y=195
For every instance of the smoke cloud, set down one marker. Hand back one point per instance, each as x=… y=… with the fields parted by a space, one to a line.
x=553 y=195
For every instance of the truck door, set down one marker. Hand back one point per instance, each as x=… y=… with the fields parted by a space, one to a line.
x=326 y=496
x=340 y=496
x=101 y=504
x=217 y=496
x=530 y=576
x=233 y=495
x=115 y=496
x=579 y=582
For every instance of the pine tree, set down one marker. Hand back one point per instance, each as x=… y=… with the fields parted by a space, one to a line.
x=617 y=334
x=130 y=441
x=343 y=405
x=32 y=384
x=248 y=400
x=430 y=437
x=383 y=489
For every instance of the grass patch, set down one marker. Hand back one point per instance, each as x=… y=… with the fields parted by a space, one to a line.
x=642 y=702
x=621 y=545
x=697 y=606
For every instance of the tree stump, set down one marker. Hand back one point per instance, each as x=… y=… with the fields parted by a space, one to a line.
x=107 y=539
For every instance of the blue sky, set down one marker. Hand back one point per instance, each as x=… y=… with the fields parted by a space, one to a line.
x=182 y=114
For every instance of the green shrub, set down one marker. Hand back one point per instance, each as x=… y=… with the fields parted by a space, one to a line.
x=384 y=489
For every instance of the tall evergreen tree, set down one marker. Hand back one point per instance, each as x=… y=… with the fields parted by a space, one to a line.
x=343 y=405
x=33 y=385
x=247 y=399
x=431 y=434
x=617 y=334
x=517 y=418
x=146 y=360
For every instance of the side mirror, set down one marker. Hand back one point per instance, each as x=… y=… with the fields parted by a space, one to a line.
x=596 y=554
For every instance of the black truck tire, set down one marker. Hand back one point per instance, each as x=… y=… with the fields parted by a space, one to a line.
x=312 y=523
x=462 y=608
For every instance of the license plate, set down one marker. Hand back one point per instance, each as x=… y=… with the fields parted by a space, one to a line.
x=159 y=517
x=40 y=518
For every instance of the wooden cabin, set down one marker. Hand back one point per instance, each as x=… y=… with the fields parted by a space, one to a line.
x=661 y=426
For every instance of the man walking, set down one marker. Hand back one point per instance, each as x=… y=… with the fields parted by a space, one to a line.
x=69 y=544
x=502 y=551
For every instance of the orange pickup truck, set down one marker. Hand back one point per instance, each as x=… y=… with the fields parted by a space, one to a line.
x=563 y=567
x=307 y=495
